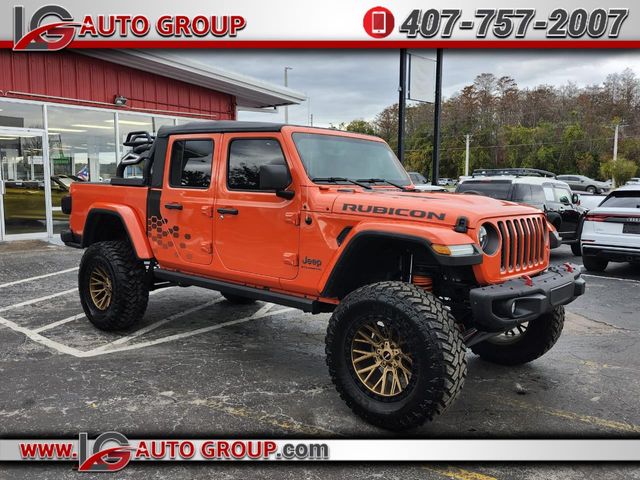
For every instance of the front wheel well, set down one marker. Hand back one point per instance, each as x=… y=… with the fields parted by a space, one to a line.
x=372 y=258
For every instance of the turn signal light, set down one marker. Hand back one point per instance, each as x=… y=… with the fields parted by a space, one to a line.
x=454 y=250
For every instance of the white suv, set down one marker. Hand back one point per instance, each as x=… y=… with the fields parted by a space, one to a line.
x=611 y=232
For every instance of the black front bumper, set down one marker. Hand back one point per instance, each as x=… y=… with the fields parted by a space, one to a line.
x=501 y=307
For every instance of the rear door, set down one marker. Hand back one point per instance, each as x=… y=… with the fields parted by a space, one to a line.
x=180 y=216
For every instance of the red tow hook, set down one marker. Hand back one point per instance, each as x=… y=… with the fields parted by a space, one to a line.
x=527 y=280
x=569 y=267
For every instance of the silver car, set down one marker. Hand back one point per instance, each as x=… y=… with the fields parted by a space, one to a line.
x=585 y=184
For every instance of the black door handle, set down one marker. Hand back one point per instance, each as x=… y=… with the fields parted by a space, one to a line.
x=173 y=206
x=228 y=211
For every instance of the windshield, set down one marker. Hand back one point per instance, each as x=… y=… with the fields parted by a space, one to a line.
x=417 y=178
x=622 y=200
x=326 y=156
x=499 y=189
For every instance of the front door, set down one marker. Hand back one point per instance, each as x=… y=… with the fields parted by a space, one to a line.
x=23 y=184
x=559 y=201
x=257 y=232
x=180 y=216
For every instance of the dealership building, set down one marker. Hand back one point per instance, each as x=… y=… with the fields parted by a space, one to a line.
x=64 y=116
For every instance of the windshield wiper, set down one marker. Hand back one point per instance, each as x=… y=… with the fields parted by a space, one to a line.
x=340 y=179
x=382 y=180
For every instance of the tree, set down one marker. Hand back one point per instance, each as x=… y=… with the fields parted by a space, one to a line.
x=565 y=129
x=360 y=126
x=621 y=170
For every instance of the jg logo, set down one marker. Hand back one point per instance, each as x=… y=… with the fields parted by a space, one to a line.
x=41 y=36
x=101 y=458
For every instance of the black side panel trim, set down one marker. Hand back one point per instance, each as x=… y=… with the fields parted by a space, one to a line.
x=159 y=156
x=183 y=279
x=343 y=234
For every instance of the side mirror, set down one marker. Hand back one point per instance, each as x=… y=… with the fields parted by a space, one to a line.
x=276 y=177
x=575 y=199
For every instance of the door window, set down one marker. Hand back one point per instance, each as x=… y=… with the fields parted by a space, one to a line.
x=191 y=163
x=245 y=158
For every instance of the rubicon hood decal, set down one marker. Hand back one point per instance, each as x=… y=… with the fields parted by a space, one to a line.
x=400 y=212
x=438 y=209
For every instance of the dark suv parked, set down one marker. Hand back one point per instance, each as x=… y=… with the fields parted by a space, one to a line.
x=538 y=189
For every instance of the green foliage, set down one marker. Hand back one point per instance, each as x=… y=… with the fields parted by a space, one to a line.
x=621 y=170
x=360 y=126
x=562 y=129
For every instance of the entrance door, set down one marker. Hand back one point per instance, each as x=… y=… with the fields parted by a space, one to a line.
x=23 y=184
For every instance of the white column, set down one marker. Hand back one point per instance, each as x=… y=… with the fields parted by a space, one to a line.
x=48 y=169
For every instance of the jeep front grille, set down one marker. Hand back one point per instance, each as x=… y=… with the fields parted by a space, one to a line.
x=523 y=243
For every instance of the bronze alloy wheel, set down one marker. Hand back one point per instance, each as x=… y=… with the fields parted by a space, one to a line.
x=379 y=361
x=100 y=288
x=511 y=336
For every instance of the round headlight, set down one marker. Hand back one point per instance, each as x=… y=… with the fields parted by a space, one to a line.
x=488 y=239
x=483 y=237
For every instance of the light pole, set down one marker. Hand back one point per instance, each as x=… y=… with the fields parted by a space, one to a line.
x=466 y=156
x=615 y=150
x=286 y=84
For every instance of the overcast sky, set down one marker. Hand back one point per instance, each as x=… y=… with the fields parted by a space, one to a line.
x=348 y=84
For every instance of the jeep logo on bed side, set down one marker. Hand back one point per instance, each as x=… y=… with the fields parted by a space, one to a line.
x=401 y=212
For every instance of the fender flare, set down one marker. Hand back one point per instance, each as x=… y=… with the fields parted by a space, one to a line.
x=134 y=228
x=420 y=235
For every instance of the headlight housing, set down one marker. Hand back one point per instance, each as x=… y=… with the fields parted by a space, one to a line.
x=483 y=237
x=488 y=238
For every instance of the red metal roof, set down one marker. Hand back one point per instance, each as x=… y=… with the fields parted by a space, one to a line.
x=88 y=81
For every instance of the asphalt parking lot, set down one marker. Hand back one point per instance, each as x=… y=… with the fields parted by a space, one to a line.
x=198 y=366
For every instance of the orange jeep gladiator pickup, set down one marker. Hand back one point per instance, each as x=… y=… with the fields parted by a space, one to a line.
x=325 y=221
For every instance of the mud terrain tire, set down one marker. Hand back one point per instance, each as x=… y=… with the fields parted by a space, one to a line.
x=426 y=332
x=113 y=266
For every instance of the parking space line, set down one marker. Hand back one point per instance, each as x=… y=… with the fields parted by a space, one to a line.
x=79 y=316
x=568 y=415
x=58 y=323
x=275 y=420
x=459 y=473
x=180 y=336
x=631 y=280
x=153 y=326
x=39 y=277
x=36 y=300
x=36 y=337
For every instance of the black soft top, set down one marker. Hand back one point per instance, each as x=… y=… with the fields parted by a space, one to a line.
x=219 y=126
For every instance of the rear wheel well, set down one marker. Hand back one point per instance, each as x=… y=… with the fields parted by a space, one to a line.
x=375 y=258
x=104 y=226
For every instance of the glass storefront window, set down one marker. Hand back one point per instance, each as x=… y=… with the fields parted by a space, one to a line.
x=161 y=122
x=20 y=115
x=82 y=147
x=82 y=143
